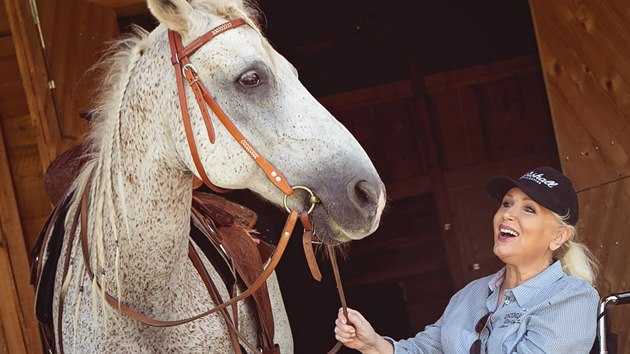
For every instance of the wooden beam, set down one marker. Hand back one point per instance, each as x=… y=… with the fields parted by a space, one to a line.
x=9 y=308
x=117 y=3
x=18 y=296
x=31 y=64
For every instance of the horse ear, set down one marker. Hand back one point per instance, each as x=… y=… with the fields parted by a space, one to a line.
x=174 y=14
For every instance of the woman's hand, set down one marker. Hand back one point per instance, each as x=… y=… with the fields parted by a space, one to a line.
x=357 y=333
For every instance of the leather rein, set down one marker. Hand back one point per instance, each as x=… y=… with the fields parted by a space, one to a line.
x=185 y=70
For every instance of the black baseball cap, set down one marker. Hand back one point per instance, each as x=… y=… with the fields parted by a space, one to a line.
x=546 y=186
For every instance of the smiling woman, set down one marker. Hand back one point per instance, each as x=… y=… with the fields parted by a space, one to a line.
x=531 y=305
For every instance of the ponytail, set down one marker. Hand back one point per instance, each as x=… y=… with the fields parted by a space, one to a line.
x=575 y=257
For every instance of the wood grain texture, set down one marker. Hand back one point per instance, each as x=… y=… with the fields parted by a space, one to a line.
x=117 y=3
x=584 y=53
x=584 y=49
x=16 y=308
x=604 y=226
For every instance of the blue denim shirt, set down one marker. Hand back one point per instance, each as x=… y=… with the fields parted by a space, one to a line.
x=550 y=313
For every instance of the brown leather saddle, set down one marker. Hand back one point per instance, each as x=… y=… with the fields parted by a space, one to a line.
x=219 y=227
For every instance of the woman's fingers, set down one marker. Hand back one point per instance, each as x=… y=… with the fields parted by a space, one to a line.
x=344 y=329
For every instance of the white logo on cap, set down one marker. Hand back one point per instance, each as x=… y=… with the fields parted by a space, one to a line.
x=538 y=178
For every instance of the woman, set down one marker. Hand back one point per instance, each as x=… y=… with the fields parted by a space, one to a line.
x=542 y=301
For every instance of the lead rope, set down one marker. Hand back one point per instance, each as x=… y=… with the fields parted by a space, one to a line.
x=307 y=242
x=342 y=297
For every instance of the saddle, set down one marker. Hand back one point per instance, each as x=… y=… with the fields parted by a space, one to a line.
x=221 y=229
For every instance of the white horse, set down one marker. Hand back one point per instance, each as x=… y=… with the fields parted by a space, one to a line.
x=138 y=182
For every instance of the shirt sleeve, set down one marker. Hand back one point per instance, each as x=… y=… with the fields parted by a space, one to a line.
x=567 y=325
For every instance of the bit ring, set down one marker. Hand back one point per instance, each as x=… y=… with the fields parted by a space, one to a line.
x=312 y=198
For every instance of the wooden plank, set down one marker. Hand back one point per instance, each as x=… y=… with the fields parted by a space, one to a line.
x=588 y=80
x=433 y=83
x=367 y=97
x=10 y=305
x=18 y=311
x=29 y=182
x=10 y=70
x=4 y=24
x=3 y=340
x=604 y=224
x=33 y=74
x=584 y=49
x=21 y=131
x=456 y=137
x=410 y=187
x=480 y=74
x=117 y=3
x=6 y=46
x=81 y=28
x=14 y=108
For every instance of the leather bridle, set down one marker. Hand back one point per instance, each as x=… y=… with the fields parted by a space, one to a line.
x=185 y=70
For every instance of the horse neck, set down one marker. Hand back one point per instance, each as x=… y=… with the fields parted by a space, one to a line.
x=140 y=201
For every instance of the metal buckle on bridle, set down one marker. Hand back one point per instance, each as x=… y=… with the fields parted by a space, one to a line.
x=312 y=199
x=194 y=72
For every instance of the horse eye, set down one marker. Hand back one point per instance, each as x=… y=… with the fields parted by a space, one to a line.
x=250 y=79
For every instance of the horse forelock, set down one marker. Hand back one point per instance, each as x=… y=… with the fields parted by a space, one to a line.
x=229 y=9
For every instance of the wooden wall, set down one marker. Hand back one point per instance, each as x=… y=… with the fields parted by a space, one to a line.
x=585 y=53
x=36 y=125
x=21 y=211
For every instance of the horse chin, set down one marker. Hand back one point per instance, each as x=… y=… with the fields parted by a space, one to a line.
x=329 y=232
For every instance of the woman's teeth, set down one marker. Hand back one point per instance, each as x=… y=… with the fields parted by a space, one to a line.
x=508 y=232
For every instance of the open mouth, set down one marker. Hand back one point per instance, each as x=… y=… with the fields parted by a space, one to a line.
x=505 y=231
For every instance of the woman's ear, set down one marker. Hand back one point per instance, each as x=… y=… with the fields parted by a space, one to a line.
x=176 y=15
x=561 y=237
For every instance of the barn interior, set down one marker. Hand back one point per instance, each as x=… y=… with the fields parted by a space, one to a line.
x=436 y=92
x=441 y=94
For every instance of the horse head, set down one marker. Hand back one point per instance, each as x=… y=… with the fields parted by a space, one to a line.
x=258 y=90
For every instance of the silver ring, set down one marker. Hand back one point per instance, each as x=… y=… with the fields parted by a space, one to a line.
x=312 y=198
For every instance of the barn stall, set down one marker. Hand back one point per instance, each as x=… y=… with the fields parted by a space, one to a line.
x=442 y=96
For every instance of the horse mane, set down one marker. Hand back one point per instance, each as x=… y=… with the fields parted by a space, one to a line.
x=115 y=68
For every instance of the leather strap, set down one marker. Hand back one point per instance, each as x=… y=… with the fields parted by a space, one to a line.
x=186 y=120
x=184 y=69
x=238 y=245
x=342 y=297
x=207 y=37
x=307 y=244
x=216 y=298
x=284 y=239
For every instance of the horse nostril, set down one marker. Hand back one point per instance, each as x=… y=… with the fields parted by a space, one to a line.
x=364 y=194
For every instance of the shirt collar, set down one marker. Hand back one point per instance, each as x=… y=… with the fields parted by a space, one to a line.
x=523 y=293
x=496 y=280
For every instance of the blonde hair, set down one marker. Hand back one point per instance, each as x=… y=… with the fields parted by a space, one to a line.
x=576 y=259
